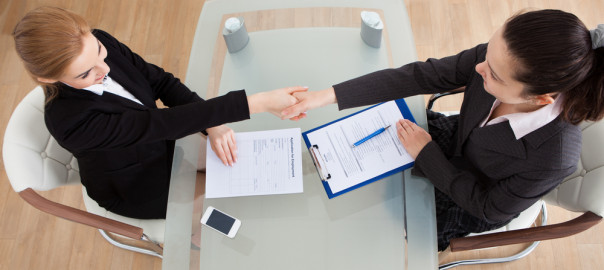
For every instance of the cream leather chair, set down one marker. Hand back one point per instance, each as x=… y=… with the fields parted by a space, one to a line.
x=35 y=161
x=580 y=192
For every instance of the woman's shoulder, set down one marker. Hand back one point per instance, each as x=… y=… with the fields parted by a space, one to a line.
x=69 y=102
x=69 y=110
x=559 y=139
x=557 y=129
x=99 y=33
x=107 y=39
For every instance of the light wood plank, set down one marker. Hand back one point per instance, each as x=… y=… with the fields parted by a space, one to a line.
x=162 y=31
x=6 y=247
x=591 y=256
x=11 y=210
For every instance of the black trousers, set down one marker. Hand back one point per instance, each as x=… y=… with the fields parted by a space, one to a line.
x=451 y=220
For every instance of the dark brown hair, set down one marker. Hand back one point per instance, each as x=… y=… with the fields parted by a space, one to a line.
x=48 y=39
x=555 y=54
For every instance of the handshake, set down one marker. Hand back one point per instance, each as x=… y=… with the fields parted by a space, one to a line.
x=286 y=103
x=293 y=103
x=290 y=102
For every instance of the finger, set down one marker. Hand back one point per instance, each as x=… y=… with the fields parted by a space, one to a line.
x=411 y=124
x=408 y=125
x=292 y=101
x=293 y=110
x=220 y=153
x=298 y=117
x=294 y=89
x=298 y=95
x=233 y=139
x=399 y=131
x=233 y=148
x=227 y=153
x=400 y=126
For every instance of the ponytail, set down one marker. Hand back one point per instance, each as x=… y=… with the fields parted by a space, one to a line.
x=586 y=101
x=556 y=53
x=47 y=40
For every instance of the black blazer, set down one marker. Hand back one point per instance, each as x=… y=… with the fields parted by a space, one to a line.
x=124 y=149
x=487 y=171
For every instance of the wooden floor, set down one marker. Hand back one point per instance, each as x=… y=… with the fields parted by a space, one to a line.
x=161 y=31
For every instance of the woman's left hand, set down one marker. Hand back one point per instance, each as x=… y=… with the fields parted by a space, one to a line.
x=222 y=140
x=412 y=137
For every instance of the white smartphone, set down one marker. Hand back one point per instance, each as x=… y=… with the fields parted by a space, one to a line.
x=220 y=222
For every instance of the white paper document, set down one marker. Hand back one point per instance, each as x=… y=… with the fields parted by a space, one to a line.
x=348 y=166
x=268 y=162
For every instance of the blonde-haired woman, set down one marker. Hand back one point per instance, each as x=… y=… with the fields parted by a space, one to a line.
x=100 y=105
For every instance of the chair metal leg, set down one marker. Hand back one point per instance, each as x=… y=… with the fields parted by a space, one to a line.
x=151 y=248
x=514 y=257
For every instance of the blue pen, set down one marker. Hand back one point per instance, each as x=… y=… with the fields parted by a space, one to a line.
x=377 y=132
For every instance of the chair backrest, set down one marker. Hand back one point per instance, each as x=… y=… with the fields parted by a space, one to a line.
x=583 y=190
x=32 y=157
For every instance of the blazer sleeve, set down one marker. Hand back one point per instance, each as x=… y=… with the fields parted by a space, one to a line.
x=169 y=89
x=496 y=203
x=429 y=77
x=99 y=128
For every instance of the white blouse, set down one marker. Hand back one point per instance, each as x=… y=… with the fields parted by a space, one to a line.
x=525 y=123
x=113 y=87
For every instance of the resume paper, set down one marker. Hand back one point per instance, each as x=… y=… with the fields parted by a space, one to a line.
x=349 y=166
x=268 y=162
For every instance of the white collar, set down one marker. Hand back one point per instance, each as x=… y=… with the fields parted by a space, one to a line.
x=525 y=123
x=99 y=88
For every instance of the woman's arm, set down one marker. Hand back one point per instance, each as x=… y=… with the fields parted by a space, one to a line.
x=432 y=76
x=429 y=77
x=473 y=192
x=96 y=126
x=222 y=138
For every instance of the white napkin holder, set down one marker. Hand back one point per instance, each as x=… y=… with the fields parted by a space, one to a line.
x=371 y=28
x=235 y=34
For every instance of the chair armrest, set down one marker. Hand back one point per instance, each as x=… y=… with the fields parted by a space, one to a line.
x=77 y=215
x=434 y=97
x=560 y=230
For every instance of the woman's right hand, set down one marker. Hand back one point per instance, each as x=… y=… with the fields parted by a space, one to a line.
x=308 y=101
x=274 y=101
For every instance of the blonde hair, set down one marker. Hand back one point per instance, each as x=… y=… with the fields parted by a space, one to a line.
x=48 y=39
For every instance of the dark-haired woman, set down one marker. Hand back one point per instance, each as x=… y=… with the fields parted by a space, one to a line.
x=516 y=137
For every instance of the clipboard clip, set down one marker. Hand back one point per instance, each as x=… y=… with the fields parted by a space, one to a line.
x=318 y=160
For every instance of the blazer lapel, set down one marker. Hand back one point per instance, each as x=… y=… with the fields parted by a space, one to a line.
x=475 y=108
x=499 y=138
x=141 y=92
x=115 y=99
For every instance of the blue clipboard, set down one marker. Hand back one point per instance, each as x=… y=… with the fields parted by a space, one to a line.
x=316 y=157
